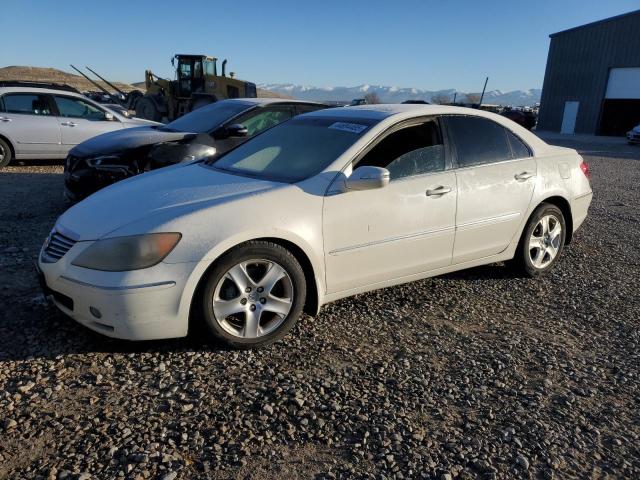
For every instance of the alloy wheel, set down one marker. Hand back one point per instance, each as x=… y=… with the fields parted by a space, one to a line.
x=253 y=298
x=545 y=241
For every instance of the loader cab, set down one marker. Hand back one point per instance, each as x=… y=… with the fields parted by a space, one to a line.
x=191 y=72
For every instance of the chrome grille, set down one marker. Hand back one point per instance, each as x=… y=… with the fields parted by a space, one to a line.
x=57 y=246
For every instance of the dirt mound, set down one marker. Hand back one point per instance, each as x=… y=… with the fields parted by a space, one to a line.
x=40 y=74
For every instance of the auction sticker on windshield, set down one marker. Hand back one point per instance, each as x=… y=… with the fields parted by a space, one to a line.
x=348 y=127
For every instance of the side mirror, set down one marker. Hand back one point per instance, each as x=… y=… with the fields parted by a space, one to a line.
x=236 y=130
x=108 y=117
x=368 y=178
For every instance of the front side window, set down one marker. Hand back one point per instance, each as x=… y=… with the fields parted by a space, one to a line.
x=294 y=150
x=478 y=140
x=261 y=120
x=26 y=103
x=77 y=108
x=414 y=150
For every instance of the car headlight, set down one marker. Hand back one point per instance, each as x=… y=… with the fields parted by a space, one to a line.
x=121 y=254
x=104 y=160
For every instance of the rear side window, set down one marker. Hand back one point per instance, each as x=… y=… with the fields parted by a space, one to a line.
x=27 y=103
x=518 y=147
x=478 y=140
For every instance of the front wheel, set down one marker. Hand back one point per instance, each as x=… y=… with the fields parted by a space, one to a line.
x=253 y=295
x=542 y=241
x=5 y=154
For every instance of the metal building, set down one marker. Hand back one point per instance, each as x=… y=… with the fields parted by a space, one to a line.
x=592 y=80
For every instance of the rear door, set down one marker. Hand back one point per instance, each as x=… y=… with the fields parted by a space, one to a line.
x=80 y=120
x=27 y=121
x=495 y=177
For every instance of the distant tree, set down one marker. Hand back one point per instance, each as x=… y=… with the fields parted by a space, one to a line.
x=441 y=99
x=473 y=98
x=372 y=98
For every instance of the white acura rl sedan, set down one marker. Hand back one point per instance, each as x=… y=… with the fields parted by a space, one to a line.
x=327 y=205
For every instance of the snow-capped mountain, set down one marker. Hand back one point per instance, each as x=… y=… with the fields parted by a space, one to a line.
x=397 y=95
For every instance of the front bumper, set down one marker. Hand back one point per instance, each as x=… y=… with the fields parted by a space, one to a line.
x=633 y=137
x=81 y=180
x=138 y=305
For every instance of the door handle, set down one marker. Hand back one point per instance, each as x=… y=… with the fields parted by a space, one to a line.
x=68 y=124
x=5 y=119
x=441 y=190
x=521 y=177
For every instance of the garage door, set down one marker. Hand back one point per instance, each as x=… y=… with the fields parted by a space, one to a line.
x=621 y=106
x=623 y=83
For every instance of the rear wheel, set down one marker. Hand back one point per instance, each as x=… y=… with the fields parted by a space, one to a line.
x=254 y=295
x=542 y=241
x=5 y=154
x=146 y=108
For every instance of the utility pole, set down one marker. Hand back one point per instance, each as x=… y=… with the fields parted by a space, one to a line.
x=483 y=89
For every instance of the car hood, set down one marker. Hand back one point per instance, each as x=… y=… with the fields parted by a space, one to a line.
x=636 y=129
x=126 y=139
x=183 y=187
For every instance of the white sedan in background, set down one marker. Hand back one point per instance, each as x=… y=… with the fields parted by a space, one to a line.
x=324 y=206
x=37 y=122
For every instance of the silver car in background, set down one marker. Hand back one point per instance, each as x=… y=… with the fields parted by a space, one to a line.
x=45 y=123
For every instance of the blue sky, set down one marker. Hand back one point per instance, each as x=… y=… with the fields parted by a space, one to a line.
x=423 y=44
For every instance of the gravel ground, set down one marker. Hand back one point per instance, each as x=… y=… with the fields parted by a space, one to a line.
x=477 y=374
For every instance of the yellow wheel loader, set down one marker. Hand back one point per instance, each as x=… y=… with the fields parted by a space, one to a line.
x=197 y=84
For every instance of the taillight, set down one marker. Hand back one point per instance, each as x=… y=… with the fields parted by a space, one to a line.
x=585 y=169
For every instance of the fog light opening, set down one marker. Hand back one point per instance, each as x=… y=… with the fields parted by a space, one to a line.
x=95 y=312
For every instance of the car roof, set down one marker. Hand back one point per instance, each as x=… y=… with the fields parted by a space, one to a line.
x=388 y=114
x=39 y=90
x=267 y=101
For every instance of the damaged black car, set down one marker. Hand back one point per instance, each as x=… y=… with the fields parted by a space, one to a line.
x=210 y=130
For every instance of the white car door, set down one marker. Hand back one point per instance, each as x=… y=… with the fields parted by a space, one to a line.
x=402 y=229
x=495 y=176
x=27 y=121
x=80 y=120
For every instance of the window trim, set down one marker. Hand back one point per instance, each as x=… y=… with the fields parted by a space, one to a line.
x=412 y=122
x=45 y=96
x=456 y=165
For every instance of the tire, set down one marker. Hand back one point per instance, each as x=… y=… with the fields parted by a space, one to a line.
x=537 y=257
x=146 y=108
x=5 y=153
x=262 y=287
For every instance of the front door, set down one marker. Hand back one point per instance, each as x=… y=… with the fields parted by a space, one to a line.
x=80 y=120
x=402 y=229
x=495 y=177
x=27 y=120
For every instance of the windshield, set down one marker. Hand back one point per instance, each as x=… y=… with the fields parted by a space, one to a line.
x=294 y=150
x=207 y=118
